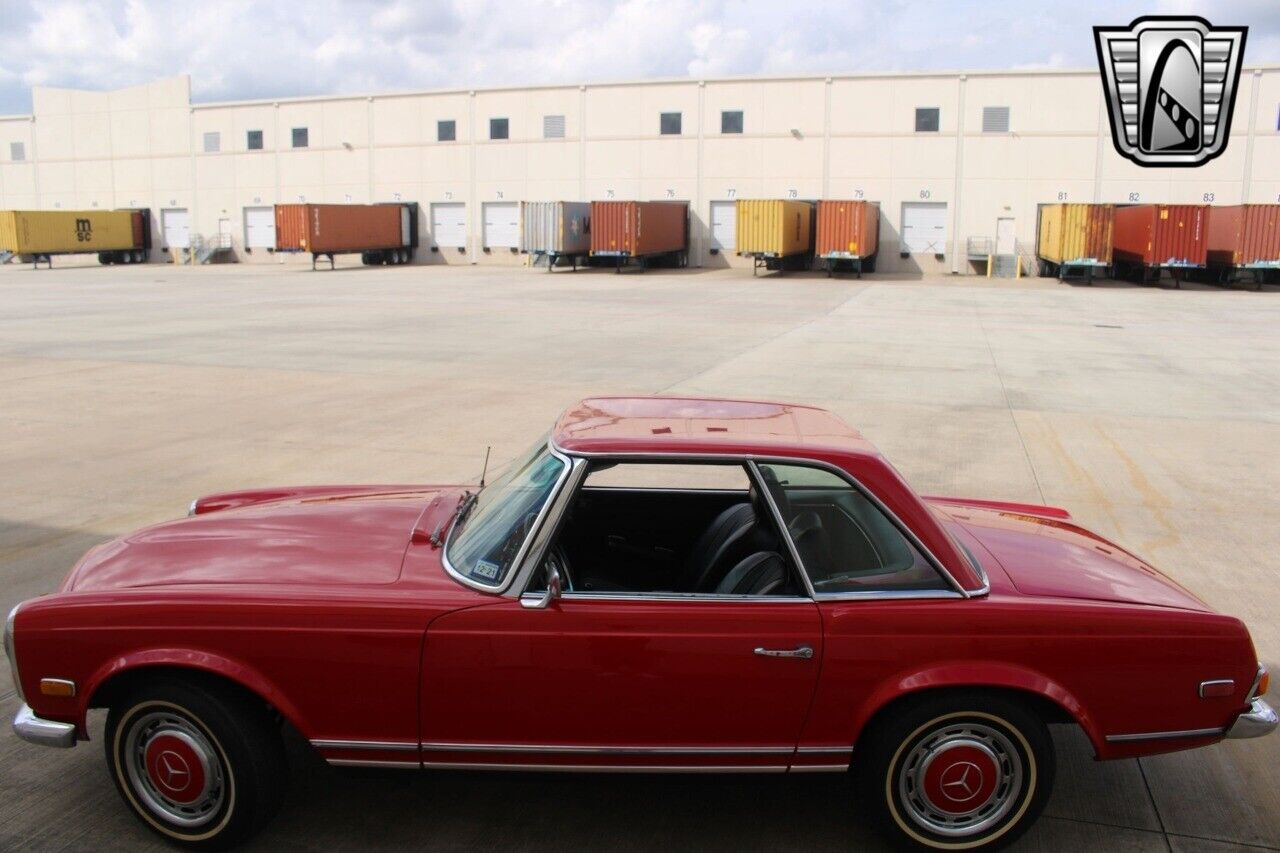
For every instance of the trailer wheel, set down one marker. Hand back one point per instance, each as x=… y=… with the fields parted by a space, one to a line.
x=104 y=258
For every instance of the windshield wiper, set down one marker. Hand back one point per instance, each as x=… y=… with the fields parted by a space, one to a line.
x=466 y=503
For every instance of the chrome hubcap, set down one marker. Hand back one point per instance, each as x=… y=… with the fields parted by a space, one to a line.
x=174 y=769
x=960 y=779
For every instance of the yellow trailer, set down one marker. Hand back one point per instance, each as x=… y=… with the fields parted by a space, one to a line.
x=116 y=236
x=771 y=230
x=1075 y=238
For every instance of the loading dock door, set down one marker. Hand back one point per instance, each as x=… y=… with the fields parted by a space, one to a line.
x=724 y=225
x=260 y=227
x=176 y=224
x=449 y=224
x=924 y=228
x=501 y=224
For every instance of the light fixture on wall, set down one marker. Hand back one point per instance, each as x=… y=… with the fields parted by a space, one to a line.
x=348 y=146
x=795 y=131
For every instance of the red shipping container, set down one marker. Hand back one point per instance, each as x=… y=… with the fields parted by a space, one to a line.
x=848 y=229
x=341 y=228
x=638 y=228
x=1161 y=235
x=1244 y=235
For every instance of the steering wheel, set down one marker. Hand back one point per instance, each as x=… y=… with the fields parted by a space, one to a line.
x=558 y=559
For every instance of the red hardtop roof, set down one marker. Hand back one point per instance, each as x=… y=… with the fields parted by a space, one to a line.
x=661 y=425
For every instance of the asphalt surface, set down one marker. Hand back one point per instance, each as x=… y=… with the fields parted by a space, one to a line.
x=1153 y=415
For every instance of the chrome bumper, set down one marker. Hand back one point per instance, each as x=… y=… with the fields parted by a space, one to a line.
x=1259 y=720
x=33 y=729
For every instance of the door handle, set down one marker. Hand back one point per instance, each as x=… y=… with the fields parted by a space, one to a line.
x=804 y=652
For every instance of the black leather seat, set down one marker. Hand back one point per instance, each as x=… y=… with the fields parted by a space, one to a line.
x=725 y=541
x=761 y=573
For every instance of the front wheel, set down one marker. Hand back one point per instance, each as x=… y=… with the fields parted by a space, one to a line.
x=957 y=772
x=201 y=765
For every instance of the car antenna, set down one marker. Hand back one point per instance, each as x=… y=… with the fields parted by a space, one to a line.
x=485 y=469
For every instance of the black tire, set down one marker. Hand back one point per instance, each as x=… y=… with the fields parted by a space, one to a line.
x=898 y=770
x=222 y=746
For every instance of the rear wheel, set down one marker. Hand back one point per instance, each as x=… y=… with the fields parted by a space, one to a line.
x=960 y=771
x=201 y=765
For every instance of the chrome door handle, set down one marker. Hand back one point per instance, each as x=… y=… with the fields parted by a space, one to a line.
x=805 y=652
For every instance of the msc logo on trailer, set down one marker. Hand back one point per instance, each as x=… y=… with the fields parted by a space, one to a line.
x=1170 y=84
x=84 y=231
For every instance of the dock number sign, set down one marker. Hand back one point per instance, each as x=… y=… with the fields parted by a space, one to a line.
x=1170 y=84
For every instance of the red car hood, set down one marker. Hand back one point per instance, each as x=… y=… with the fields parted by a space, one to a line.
x=318 y=538
x=1050 y=556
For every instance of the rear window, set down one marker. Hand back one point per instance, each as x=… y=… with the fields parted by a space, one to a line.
x=845 y=541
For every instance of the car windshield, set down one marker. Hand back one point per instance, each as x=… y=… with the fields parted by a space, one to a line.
x=489 y=534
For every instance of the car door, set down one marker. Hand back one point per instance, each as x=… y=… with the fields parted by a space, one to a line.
x=621 y=682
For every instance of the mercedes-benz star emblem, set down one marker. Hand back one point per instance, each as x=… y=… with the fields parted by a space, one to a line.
x=961 y=781
x=175 y=770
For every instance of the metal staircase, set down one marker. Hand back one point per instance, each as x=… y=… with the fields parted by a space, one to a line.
x=203 y=251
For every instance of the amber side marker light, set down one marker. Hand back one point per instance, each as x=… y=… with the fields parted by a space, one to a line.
x=1264 y=683
x=57 y=687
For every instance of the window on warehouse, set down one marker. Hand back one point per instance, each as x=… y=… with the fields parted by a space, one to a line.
x=300 y=137
x=553 y=127
x=927 y=119
x=446 y=130
x=212 y=142
x=499 y=128
x=669 y=124
x=253 y=140
x=17 y=152
x=731 y=121
x=995 y=119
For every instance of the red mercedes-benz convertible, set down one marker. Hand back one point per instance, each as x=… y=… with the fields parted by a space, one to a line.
x=660 y=585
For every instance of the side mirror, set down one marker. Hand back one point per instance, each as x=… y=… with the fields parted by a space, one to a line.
x=552 y=593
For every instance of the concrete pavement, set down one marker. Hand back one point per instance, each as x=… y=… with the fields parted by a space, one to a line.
x=1153 y=415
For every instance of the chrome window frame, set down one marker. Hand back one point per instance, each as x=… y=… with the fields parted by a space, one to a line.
x=750 y=461
x=517 y=564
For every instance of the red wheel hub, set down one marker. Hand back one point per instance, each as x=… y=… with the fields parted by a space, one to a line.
x=960 y=779
x=175 y=768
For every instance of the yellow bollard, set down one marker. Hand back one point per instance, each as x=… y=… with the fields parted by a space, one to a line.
x=990 y=263
x=1018 y=274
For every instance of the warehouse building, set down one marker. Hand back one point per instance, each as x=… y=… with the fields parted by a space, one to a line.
x=958 y=162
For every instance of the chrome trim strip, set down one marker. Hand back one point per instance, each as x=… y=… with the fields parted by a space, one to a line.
x=11 y=650
x=792 y=460
x=399 y=765
x=887 y=594
x=1186 y=733
x=1249 y=697
x=824 y=750
x=372 y=745
x=1230 y=682
x=37 y=730
x=818 y=768
x=761 y=486
x=608 y=768
x=517 y=562
x=676 y=596
x=607 y=750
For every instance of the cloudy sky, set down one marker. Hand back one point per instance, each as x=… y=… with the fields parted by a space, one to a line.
x=250 y=48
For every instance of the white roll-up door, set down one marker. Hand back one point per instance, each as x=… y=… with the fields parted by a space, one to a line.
x=724 y=225
x=175 y=222
x=501 y=224
x=449 y=224
x=924 y=228
x=260 y=227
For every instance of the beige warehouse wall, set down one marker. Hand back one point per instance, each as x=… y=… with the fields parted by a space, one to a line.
x=808 y=138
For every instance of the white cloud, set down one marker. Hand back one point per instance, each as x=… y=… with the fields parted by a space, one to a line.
x=250 y=48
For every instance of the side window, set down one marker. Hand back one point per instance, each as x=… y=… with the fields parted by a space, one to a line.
x=846 y=543
x=658 y=529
